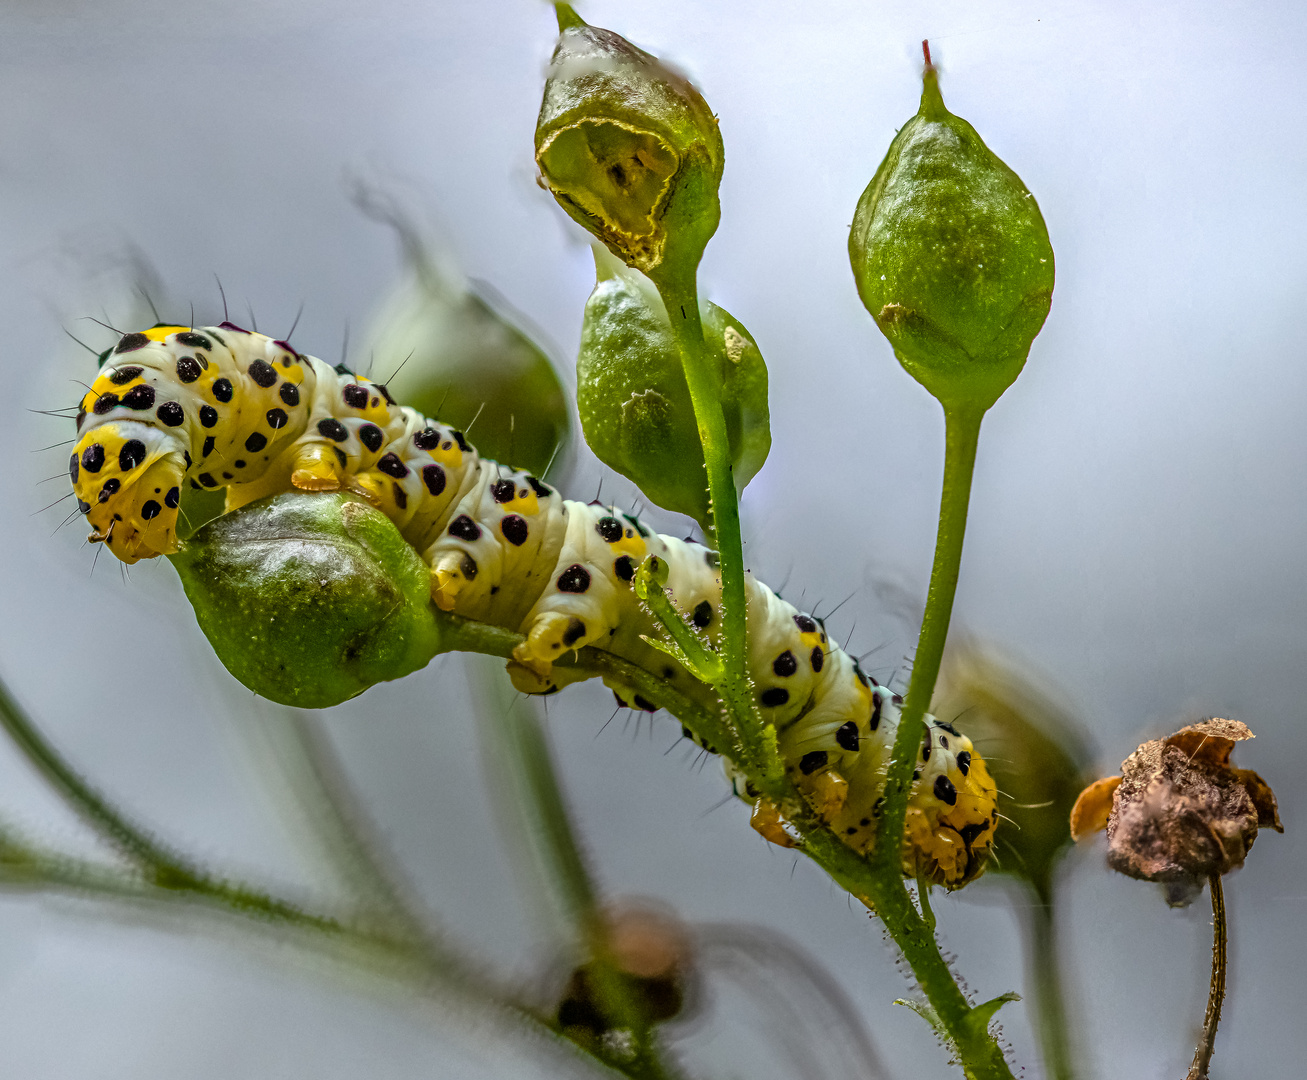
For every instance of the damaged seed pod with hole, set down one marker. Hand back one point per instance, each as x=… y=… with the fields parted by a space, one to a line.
x=630 y=149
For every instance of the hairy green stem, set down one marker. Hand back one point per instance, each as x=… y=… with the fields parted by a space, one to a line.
x=1051 y=1026
x=1216 y=991
x=961 y=434
x=681 y=298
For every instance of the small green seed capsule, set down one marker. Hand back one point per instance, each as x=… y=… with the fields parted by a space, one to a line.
x=635 y=405
x=629 y=149
x=310 y=599
x=451 y=353
x=951 y=257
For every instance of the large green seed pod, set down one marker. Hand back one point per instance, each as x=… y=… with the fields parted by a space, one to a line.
x=951 y=257
x=629 y=149
x=635 y=405
x=309 y=599
x=452 y=350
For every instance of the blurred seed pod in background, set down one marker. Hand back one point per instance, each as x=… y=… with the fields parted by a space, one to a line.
x=454 y=350
x=721 y=983
x=653 y=954
x=1039 y=753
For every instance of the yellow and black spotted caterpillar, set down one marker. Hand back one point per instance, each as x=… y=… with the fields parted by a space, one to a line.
x=222 y=407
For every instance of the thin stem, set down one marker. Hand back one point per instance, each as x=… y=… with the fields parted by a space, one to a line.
x=313 y=771
x=682 y=303
x=556 y=841
x=1051 y=1026
x=961 y=435
x=888 y=898
x=1216 y=993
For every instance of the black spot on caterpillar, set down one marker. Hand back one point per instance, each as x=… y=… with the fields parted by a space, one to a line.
x=504 y=549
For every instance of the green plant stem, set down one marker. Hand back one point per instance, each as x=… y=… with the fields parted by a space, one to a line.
x=311 y=770
x=1216 y=991
x=961 y=435
x=681 y=299
x=682 y=303
x=1051 y=1026
x=551 y=822
x=887 y=896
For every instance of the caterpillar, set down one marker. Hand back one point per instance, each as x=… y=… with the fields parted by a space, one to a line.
x=223 y=407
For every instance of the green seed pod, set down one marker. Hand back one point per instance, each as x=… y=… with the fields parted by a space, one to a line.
x=629 y=149
x=449 y=350
x=951 y=257
x=309 y=599
x=635 y=405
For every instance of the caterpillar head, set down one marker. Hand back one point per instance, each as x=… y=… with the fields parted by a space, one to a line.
x=127 y=477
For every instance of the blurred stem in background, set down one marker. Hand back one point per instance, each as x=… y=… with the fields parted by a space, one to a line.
x=1040 y=755
x=523 y=742
x=1044 y=965
x=391 y=942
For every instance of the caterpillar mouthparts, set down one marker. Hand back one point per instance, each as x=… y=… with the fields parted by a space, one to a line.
x=221 y=407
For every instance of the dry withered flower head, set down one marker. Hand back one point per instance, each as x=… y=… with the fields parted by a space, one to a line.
x=1179 y=812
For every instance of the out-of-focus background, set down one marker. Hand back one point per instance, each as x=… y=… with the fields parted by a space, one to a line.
x=1137 y=528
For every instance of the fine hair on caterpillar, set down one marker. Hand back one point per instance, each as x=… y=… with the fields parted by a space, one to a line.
x=223 y=407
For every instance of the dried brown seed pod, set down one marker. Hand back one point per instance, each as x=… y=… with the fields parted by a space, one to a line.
x=1180 y=812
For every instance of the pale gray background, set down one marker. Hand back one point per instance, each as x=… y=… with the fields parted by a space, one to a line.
x=1138 y=521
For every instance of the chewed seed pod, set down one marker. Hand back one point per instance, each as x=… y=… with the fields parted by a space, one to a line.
x=629 y=149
